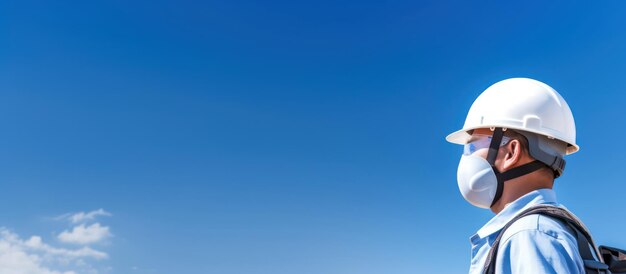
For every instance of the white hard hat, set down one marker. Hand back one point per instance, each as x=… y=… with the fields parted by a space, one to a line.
x=521 y=104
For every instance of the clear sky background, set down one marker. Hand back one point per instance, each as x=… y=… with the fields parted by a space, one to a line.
x=281 y=137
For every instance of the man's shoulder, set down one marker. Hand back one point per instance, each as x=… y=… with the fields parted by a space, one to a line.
x=537 y=224
x=537 y=243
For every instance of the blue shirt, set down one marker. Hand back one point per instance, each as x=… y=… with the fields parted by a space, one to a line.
x=533 y=244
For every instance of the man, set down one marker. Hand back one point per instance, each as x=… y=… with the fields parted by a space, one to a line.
x=515 y=137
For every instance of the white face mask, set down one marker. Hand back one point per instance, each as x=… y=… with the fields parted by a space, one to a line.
x=477 y=181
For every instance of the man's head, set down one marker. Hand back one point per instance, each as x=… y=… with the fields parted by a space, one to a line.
x=513 y=152
x=517 y=131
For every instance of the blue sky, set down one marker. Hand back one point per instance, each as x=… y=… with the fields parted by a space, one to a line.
x=282 y=137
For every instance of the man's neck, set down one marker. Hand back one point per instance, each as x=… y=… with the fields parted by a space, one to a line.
x=518 y=187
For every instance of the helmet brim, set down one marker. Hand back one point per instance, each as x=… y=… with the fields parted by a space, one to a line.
x=462 y=136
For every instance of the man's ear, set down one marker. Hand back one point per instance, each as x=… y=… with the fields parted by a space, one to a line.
x=513 y=154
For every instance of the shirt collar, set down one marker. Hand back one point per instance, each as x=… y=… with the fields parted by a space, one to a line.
x=540 y=196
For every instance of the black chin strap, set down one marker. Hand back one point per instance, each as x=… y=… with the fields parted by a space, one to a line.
x=513 y=173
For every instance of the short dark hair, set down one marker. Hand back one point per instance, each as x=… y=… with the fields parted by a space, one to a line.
x=518 y=136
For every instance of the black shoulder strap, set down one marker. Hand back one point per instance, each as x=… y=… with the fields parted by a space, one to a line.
x=585 y=242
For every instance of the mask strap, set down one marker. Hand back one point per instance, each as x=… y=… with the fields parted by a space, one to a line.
x=496 y=139
x=519 y=171
x=512 y=174
x=494 y=146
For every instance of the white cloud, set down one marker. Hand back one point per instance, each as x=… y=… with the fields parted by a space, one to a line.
x=82 y=234
x=33 y=256
x=82 y=217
